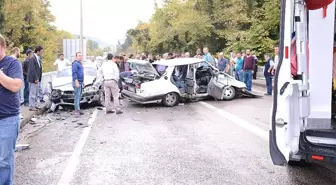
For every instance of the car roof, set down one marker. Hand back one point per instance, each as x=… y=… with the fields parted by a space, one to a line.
x=179 y=61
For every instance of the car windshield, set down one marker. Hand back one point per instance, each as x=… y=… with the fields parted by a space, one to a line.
x=88 y=71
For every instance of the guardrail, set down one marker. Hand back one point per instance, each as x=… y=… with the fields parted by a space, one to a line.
x=46 y=78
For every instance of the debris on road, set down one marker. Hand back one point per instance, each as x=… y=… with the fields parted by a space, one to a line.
x=20 y=147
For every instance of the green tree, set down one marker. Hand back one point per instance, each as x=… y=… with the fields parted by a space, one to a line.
x=221 y=25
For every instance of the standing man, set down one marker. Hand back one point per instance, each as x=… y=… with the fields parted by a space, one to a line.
x=10 y=83
x=222 y=63
x=255 y=67
x=207 y=57
x=61 y=62
x=34 y=77
x=268 y=74
x=239 y=61
x=276 y=59
x=248 y=68
x=25 y=65
x=77 y=82
x=15 y=52
x=110 y=73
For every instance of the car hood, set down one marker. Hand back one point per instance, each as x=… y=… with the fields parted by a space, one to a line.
x=65 y=83
x=143 y=66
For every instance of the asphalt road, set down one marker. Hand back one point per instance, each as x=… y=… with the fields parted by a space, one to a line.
x=195 y=143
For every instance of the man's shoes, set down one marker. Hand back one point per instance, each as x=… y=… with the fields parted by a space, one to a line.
x=109 y=112
x=119 y=112
x=267 y=94
x=78 y=113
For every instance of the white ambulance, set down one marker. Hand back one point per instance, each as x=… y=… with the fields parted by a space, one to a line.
x=302 y=125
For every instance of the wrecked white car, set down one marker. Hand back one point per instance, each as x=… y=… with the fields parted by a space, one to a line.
x=62 y=92
x=149 y=86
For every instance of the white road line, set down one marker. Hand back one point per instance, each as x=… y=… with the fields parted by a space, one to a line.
x=238 y=121
x=74 y=159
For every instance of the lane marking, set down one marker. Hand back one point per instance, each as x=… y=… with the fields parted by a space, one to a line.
x=70 y=169
x=238 y=121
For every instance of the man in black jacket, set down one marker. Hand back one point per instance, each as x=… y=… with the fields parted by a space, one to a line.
x=25 y=66
x=34 y=77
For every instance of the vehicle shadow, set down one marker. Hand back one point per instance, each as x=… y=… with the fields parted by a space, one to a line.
x=317 y=173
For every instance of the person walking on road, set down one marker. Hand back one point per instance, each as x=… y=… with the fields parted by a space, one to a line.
x=77 y=82
x=34 y=78
x=11 y=77
x=111 y=74
x=268 y=73
x=248 y=69
x=25 y=65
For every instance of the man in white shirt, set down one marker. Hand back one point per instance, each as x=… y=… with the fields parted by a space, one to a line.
x=110 y=72
x=276 y=59
x=61 y=62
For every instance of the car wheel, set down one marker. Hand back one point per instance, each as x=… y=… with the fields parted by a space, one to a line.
x=171 y=99
x=229 y=93
x=101 y=97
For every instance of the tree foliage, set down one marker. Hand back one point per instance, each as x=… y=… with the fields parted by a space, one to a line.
x=27 y=24
x=221 y=25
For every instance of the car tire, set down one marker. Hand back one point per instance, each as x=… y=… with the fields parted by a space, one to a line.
x=229 y=93
x=171 y=99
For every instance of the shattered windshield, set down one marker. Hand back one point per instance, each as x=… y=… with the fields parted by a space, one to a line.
x=88 y=71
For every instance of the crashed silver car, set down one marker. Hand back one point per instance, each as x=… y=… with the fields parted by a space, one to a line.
x=149 y=86
x=62 y=91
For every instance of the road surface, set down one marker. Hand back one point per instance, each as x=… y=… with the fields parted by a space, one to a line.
x=200 y=143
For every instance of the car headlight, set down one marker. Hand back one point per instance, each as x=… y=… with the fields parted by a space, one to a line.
x=90 y=88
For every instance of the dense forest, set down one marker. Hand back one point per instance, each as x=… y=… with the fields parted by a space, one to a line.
x=29 y=23
x=221 y=25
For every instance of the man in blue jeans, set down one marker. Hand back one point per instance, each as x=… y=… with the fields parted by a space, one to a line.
x=11 y=77
x=77 y=82
x=268 y=74
x=248 y=68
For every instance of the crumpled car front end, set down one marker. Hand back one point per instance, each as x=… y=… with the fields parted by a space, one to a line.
x=65 y=95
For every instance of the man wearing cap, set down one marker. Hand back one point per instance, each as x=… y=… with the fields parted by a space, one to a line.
x=25 y=65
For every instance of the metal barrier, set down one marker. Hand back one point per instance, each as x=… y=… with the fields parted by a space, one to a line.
x=46 y=78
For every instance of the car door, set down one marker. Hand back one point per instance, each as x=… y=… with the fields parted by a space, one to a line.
x=290 y=107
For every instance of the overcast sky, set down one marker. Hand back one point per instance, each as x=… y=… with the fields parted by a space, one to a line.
x=105 y=19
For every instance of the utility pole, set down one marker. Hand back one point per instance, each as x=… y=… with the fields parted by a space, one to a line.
x=81 y=28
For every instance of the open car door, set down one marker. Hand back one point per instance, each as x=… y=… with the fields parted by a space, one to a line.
x=285 y=123
x=291 y=101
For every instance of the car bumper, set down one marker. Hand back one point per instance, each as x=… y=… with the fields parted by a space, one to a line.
x=68 y=99
x=141 y=99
